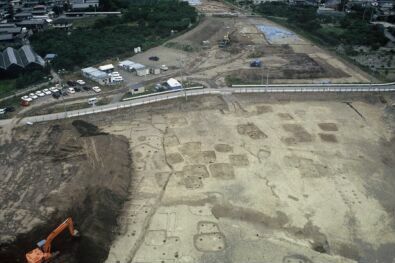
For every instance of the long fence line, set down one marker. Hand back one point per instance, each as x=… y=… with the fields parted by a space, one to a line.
x=238 y=89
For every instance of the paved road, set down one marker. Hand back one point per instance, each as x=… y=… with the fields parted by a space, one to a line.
x=146 y=99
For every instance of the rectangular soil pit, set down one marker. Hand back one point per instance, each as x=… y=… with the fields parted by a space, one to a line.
x=328 y=126
x=328 y=137
x=222 y=170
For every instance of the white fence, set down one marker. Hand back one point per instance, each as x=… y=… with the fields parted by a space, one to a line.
x=152 y=98
x=137 y=101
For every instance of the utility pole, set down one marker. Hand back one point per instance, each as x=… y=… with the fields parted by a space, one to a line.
x=64 y=103
x=267 y=77
x=371 y=15
x=181 y=75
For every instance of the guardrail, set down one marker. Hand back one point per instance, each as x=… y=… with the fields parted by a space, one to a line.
x=162 y=92
x=162 y=96
x=138 y=101
x=312 y=89
x=323 y=87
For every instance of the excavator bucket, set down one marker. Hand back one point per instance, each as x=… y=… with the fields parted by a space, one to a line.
x=35 y=256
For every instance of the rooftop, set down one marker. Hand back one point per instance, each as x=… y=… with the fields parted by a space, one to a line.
x=6 y=37
x=95 y=73
x=106 y=67
x=22 y=57
x=131 y=65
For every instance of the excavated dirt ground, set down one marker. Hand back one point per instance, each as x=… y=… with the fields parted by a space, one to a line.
x=56 y=170
x=290 y=178
x=255 y=178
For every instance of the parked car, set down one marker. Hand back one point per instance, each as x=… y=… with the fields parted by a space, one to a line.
x=77 y=89
x=71 y=90
x=39 y=93
x=64 y=92
x=56 y=95
x=26 y=98
x=115 y=74
x=71 y=83
x=53 y=89
x=154 y=58
x=86 y=88
x=33 y=96
x=164 y=67
x=92 y=101
x=96 y=89
x=9 y=109
x=46 y=92
x=3 y=111
x=80 y=82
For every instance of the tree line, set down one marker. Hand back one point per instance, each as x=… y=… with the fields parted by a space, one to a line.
x=144 y=23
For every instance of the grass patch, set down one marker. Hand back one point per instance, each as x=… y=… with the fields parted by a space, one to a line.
x=233 y=80
x=256 y=54
x=7 y=86
x=84 y=22
x=179 y=46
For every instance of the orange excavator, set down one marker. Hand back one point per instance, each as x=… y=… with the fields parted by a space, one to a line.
x=43 y=253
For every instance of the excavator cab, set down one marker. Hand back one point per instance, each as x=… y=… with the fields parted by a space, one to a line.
x=43 y=253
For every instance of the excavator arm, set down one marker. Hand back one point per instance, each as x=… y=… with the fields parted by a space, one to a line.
x=43 y=252
x=68 y=223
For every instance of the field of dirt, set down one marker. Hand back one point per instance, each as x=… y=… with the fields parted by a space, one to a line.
x=282 y=178
x=58 y=170
x=279 y=178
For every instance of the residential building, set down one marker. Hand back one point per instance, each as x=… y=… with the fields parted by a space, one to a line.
x=33 y=24
x=6 y=38
x=23 y=16
x=62 y=23
x=30 y=3
x=39 y=10
x=83 y=4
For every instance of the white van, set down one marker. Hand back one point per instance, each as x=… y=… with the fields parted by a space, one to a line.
x=116 y=79
x=92 y=101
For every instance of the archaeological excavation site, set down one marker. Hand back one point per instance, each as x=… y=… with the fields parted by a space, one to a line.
x=232 y=178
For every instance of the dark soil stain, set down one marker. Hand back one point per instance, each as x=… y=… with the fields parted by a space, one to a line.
x=328 y=137
x=328 y=126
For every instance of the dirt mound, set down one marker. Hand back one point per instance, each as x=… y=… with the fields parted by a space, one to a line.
x=59 y=171
x=86 y=128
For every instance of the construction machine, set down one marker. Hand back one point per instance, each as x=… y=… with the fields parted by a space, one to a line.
x=43 y=253
x=225 y=41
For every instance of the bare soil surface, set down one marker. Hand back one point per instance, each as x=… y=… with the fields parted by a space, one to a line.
x=52 y=171
x=301 y=178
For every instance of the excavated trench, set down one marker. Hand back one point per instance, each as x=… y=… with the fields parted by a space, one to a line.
x=85 y=174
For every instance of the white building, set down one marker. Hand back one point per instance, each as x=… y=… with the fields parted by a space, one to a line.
x=173 y=84
x=96 y=75
x=137 y=89
x=131 y=66
x=107 y=68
